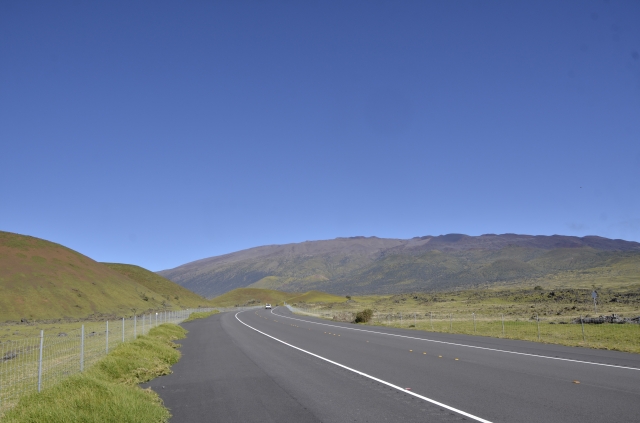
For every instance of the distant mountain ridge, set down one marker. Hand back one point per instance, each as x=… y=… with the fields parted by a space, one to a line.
x=383 y=265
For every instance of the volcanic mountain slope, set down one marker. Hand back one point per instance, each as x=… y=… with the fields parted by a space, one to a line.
x=44 y=280
x=377 y=265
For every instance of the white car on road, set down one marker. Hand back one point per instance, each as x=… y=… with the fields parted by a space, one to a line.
x=267 y=306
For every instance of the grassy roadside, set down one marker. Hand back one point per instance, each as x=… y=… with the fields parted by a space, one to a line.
x=538 y=313
x=108 y=391
x=201 y=315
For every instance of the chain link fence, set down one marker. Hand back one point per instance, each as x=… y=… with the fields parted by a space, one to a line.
x=608 y=332
x=33 y=364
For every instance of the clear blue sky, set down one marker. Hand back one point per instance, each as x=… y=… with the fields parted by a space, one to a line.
x=157 y=133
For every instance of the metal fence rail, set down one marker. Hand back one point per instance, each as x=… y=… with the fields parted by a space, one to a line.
x=32 y=364
x=574 y=330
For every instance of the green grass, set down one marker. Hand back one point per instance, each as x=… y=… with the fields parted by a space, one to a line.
x=108 y=391
x=45 y=281
x=201 y=315
x=251 y=296
x=171 y=293
x=257 y=296
x=519 y=305
x=514 y=302
x=619 y=337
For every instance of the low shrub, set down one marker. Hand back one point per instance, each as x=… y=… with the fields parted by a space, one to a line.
x=363 y=316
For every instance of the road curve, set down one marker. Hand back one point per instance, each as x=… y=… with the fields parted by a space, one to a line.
x=264 y=365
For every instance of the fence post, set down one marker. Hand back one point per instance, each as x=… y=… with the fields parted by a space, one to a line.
x=582 y=323
x=135 y=327
x=414 y=318
x=503 y=325
x=474 y=322
x=156 y=319
x=450 y=323
x=400 y=319
x=538 y=321
x=40 y=360
x=143 y=324
x=107 y=337
x=82 y=348
x=123 y=329
x=431 y=319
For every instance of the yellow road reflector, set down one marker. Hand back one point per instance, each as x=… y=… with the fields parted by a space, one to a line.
x=576 y=381
x=424 y=353
x=410 y=350
x=439 y=356
x=456 y=359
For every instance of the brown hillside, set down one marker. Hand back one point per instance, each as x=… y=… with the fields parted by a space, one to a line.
x=44 y=280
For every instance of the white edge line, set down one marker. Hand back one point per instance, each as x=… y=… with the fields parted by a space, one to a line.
x=471 y=416
x=464 y=345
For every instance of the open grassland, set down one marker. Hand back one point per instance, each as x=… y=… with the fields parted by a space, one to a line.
x=534 y=314
x=515 y=302
x=620 y=337
x=45 y=281
x=108 y=391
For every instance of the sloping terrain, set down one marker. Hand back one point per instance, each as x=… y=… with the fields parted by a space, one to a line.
x=250 y=296
x=171 y=293
x=44 y=280
x=258 y=296
x=362 y=265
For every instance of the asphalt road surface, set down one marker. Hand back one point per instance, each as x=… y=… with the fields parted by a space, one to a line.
x=274 y=366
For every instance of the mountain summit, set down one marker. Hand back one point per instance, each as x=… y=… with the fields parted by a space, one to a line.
x=381 y=265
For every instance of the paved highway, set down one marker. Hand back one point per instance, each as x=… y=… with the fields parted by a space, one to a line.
x=269 y=366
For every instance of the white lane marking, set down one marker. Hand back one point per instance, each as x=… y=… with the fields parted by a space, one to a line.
x=464 y=345
x=471 y=416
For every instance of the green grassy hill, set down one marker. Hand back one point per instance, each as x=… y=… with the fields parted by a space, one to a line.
x=42 y=280
x=259 y=296
x=250 y=296
x=172 y=294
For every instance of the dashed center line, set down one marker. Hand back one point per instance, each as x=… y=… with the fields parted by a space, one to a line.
x=465 y=345
x=391 y=385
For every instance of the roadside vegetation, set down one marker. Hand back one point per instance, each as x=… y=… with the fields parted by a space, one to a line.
x=201 y=315
x=108 y=391
x=549 y=303
x=538 y=313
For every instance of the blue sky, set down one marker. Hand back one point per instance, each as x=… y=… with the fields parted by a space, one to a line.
x=157 y=133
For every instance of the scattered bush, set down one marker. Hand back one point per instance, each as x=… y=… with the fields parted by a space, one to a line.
x=363 y=316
